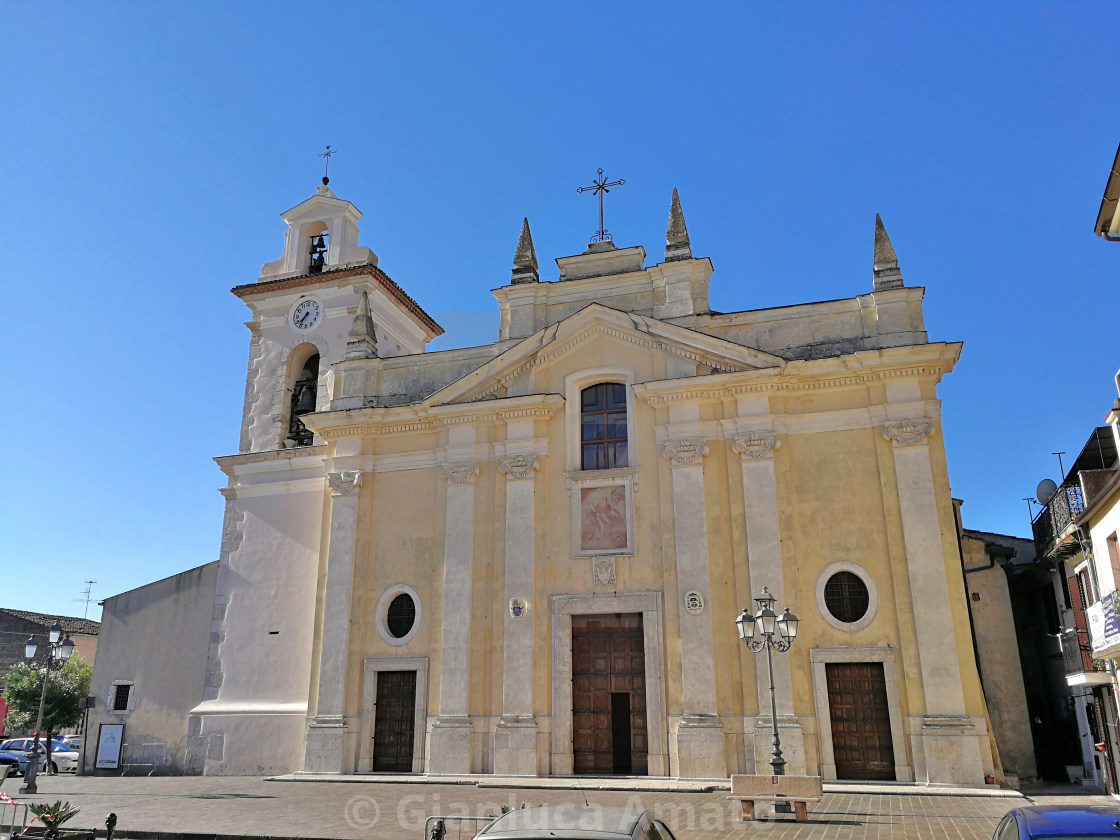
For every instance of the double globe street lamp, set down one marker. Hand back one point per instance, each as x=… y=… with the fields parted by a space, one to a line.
x=59 y=652
x=766 y=630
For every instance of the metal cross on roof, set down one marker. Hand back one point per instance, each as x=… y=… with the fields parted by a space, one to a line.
x=326 y=163
x=598 y=187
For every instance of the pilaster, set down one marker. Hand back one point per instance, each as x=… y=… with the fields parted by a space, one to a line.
x=323 y=747
x=699 y=733
x=450 y=734
x=764 y=566
x=515 y=735
x=947 y=736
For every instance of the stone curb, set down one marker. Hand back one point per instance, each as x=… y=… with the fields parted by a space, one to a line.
x=639 y=785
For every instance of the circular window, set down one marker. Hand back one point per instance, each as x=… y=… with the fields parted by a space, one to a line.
x=398 y=615
x=846 y=596
x=401 y=615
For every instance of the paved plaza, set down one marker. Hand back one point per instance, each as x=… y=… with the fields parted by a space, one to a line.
x=379 y=811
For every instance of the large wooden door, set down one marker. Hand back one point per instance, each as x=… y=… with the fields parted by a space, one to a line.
x=609 y=695
x=394 y=721
x=861 y=724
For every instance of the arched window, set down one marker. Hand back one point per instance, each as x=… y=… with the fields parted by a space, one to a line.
x=317 y=234
x=603 y=426
x=303 y=402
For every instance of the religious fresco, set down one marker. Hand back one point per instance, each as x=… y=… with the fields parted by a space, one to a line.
x=603 y=518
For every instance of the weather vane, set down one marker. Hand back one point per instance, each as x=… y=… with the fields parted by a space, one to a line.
x=326 y=163
x=600 y=186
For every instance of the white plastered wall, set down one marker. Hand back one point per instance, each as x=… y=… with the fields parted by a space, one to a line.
x=267 y=587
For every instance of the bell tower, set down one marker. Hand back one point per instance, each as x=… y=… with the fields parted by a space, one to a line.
x=322 y=235
x=304 y=305
x=323 y=303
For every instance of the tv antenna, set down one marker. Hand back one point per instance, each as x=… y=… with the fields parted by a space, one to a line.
x=86 y=597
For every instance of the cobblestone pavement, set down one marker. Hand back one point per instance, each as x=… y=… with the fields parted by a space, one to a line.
x=254 y=806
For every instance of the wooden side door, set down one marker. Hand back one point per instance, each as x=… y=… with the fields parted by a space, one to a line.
x=861 y=724
x=394 y=721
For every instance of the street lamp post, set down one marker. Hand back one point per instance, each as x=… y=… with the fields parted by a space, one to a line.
x=766 y=630
x=59 y=652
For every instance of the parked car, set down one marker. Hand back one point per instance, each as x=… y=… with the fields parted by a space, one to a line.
x=551 y=821
x=63 y=758
x=1059 y=821
x=73 y=742
x=17 y=761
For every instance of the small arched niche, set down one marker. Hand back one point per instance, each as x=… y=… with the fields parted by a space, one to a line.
x=303 y=394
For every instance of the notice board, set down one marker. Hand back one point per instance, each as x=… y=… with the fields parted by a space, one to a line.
x=109 y=738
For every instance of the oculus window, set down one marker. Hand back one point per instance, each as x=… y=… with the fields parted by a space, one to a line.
x=401 y=615
x=846 y=597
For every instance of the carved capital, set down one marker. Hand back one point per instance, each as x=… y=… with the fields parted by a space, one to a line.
x=685 y=451
x=519 y=466
x=907 y=432
x=344 y=483
x=756 y=445
x=459 y=472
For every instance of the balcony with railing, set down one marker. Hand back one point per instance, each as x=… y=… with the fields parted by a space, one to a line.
x=1053 y=527
x=1090 y=472
x=1077 y=658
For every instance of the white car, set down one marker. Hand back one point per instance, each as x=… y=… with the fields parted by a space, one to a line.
x=63 y=758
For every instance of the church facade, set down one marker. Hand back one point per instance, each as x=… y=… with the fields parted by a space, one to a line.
x=526 y=558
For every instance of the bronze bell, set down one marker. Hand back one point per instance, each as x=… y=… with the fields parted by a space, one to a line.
x=320 y=245
x=306 y=401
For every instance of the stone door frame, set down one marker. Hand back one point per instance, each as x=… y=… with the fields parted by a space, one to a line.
x=370 y=669
x=818 y=658
x=657 y=728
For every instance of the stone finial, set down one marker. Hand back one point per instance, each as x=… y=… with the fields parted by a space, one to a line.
x=677 y=246
x=884 y=262
x=361 y=343
x=525 y=258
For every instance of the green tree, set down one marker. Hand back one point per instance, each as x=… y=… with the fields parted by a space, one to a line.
x=62 y=707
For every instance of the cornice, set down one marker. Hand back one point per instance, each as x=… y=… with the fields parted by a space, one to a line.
x=274 y=459
x=336 y=425
x=247 y=291
x=859 y=370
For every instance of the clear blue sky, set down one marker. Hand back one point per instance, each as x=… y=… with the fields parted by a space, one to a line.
x=148 y=149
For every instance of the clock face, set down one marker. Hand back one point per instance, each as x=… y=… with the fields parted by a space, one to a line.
x=306 y=314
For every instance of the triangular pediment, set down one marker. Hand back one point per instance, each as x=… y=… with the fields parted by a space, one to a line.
x=598 y=322
x=321 y=206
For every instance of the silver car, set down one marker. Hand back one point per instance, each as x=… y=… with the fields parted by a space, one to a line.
x=575 y=822
x=63 y=758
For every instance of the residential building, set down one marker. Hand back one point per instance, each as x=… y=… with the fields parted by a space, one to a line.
x=1063 y=543
x=17 y=626
x=1016 y=602
x=150 y=670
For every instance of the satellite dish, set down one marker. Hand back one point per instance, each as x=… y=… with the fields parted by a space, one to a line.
x=1045 y=491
